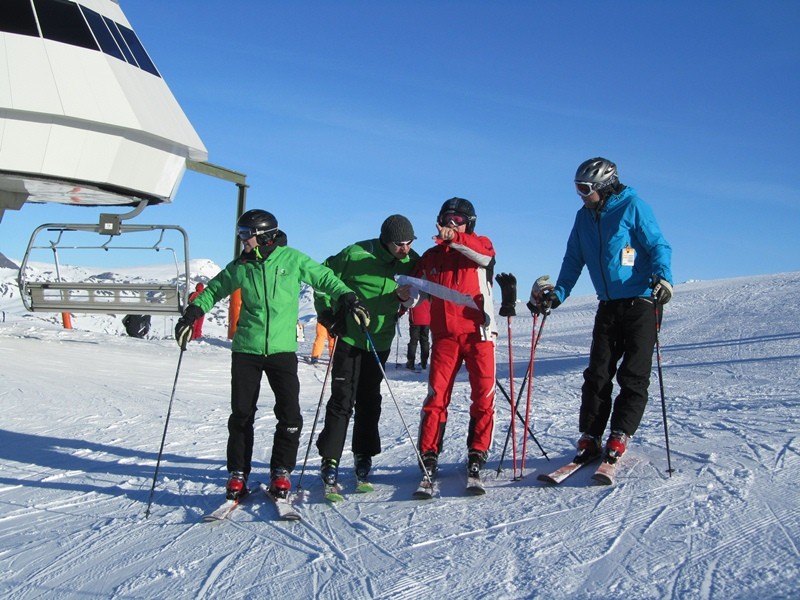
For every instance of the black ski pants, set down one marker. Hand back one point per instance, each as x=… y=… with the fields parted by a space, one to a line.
x=419 y=334
x=623 y=329
x=281 y=371
x=355 y=388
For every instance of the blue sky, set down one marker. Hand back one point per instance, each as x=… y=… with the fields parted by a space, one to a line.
x=342 y=113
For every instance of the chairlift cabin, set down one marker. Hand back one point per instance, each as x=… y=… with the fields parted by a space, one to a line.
x=157 y=283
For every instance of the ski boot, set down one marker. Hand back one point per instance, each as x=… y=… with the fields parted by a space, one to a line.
x=236 y=487
x=475 y=462
x=329 y=471
x=589 y=447
x=363 y=464
x=615 y=446
x=279 y=484
x=430 y=464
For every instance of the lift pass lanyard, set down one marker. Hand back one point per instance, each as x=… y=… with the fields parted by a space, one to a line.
x=628 y=256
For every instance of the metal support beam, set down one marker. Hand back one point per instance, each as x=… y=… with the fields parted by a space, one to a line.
x=240 y=180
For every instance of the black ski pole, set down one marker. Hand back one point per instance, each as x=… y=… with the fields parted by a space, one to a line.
x=316 y=415
x=522 y=420
x=661 y=386
x=397 y=346
x=164 y=435
x=428 y=475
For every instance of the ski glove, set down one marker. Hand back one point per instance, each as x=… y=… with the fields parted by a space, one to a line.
x=662 y=289
x=508 y=291
x=543 y=298
x=334 y=323
x=183 y=329
x=356 y=308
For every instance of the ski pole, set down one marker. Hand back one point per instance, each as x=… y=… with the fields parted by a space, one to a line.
x=519 y=414
x=428 y=475
x=661 y=386
x=397 y=346
x=521 y=418
x=164 y=435
x=511 y=430
x=316 y=415
x=528 y=400
x=535 y=337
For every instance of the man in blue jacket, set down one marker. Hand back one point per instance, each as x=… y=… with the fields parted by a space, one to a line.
x=615 y=235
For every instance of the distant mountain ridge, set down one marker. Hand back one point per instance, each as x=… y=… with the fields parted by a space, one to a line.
x=5 y=263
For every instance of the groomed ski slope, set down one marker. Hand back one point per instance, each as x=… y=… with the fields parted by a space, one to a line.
x=83 y=414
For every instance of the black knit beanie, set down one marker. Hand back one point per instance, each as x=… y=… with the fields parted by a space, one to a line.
x=397 y=228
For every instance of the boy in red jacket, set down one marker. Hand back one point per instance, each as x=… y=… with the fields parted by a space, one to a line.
x=462 y=333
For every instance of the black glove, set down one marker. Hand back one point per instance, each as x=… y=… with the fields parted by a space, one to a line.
x=356 y=308
x=542 y=300
x=334 y=323
x=183 y=329
x=662 y=289
x=547 y=302
x=508 y=293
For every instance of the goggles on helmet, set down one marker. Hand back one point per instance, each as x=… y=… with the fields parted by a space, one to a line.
x=453 y=218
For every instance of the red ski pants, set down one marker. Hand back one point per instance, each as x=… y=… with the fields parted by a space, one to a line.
x=447 y=356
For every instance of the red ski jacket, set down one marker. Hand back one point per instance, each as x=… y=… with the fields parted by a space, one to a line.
x=466 y=265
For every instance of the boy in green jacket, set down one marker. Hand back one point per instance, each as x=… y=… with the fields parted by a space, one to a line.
x=368 y=268
x=269 y=274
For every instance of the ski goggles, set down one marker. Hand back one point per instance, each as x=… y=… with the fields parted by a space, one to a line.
x=401 y=244
x=585 y=188
x=453 y=218
x=245 y=233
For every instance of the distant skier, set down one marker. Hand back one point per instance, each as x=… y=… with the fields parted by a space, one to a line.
x=197 y=332
x=419 y=334
x=615 y=235
x=322 y=339
x=269 y=274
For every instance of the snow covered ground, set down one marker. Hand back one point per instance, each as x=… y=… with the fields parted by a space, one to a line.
x=83 y=414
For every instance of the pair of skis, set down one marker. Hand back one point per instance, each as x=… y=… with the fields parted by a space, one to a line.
x=605 y=474
x=284 y=506
x=333 y=492
x=427 y=488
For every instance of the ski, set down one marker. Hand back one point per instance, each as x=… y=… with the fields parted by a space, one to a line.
x=363 y=486
x=568 y=469
x=606 y=473
x=221 y=513
x=475 y=486
x=286 y=510
x=425 y=490
x=333 y=493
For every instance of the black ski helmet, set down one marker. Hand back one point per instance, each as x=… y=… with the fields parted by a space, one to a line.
x=461 y=206
x=598 y=171
x=261 y=223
